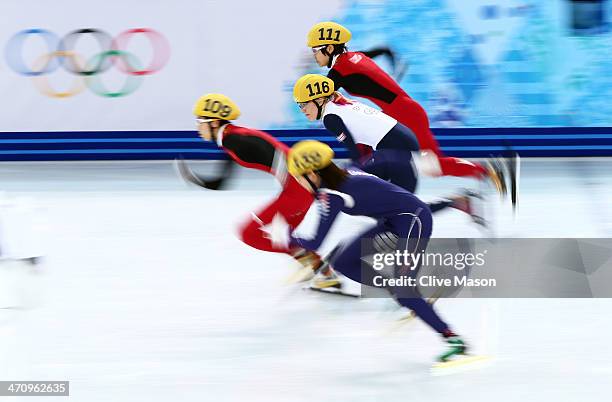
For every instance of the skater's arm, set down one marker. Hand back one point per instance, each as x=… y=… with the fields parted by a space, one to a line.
x=221 y=182
x=330 y=206
x=336 y=77
x=361 y=83
x=250 y=149
x=217 y=183
x=334 y=124
x=380 y=51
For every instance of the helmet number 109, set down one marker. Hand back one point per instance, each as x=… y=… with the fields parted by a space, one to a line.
x=217 y=107
x=319 y=88
x=329 y=34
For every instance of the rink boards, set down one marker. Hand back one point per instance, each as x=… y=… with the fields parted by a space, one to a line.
x=160 y=145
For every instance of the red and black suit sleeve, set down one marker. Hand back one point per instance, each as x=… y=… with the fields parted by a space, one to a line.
x=250 y=148
x=254 y=149
x=380 y=51
x=360 y=76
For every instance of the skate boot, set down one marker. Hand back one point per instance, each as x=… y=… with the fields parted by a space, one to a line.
x=326 y=277
x=472 y=203
x=456 y=347
x=514 y=169
x=309 y=263
x=497 y=176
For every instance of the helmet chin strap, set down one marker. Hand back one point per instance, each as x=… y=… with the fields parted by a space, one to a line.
x=319 y=109
x=310 y=183
x=213 y=132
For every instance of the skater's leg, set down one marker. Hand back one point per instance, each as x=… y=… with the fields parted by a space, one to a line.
x=416 y=119
x=461 y=168
x=348 y=261
x=395 y=166
x=414 y=231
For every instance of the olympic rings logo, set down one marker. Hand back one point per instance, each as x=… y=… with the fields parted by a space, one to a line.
x=87 y=72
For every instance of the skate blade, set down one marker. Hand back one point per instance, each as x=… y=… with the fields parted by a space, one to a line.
x=328 y=284
x=515 y=182
x=496 y=178
x=301 y=275
x=459 y=364
x=332 y=291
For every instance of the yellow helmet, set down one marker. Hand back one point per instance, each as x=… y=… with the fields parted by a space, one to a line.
x=307 y=156
x=216 y=106
x=327 y=33
x=312 y=86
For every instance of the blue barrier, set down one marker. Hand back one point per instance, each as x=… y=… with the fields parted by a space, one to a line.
x=148 y=145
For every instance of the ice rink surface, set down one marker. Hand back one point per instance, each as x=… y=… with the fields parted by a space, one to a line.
x=146 y=294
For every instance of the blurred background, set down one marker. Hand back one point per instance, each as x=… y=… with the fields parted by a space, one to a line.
x=470 y=63
x=118 y=277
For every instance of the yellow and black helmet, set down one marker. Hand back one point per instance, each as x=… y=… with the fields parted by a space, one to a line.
x=312 y=86
x=308 y=156
x=216 y=106
x=327 y=33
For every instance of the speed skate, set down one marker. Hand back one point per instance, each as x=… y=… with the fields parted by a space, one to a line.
x=333 y=290
x=460 y=363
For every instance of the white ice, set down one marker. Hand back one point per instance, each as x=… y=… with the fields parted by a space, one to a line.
x=146 y=294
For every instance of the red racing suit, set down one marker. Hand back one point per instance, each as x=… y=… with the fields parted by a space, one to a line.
x=258 y=150
x=361 y=76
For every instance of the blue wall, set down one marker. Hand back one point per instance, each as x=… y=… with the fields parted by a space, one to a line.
x=466 y=142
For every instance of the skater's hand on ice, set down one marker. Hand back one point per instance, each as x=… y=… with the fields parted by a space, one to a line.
x=278 y=232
